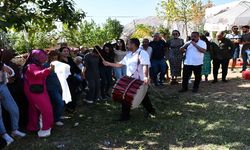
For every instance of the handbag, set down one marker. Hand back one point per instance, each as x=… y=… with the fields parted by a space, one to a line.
x=36 y=88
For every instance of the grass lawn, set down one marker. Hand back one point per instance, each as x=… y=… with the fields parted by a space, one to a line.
x=215 y=118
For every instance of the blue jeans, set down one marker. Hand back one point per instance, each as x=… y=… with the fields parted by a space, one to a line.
x=10 y=106
x=57 y=103
x=158 y=66
x=245 y=59
x=120 y=72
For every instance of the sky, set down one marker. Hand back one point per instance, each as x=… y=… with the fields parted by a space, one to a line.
x=123 y=10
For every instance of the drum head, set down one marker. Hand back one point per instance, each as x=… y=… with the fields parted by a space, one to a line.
x=141 y=92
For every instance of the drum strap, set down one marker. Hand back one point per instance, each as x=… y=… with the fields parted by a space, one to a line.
x=138 y=63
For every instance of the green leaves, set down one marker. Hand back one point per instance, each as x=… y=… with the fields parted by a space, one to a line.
x=17 y=13
x=90 y=34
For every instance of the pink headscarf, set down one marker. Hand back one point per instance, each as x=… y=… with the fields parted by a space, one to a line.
x=39 y=55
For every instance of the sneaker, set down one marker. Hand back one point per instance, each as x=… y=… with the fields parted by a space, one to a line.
x=88 y=101
x=182 y=90
x=224 y=80
x=104 y=98
x=17 y=133
x=8 y=139
x=44 y=133
x=189 y=81
x=195 y=90
x=214 y=81
x=59 y=123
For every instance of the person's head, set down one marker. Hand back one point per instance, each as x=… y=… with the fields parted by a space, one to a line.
x=157 y=37
x=120 y=45
x=220 y=35
x=195 y=36
x=53 y=55
x=38 y=57
x=108 y=48
x=78 y=60
x=96 y=49
x=207 y=34
x=64 y=52
x=175 y=34
x=133 y=44
x=245 y=29
x=145 y=42
x=235 y=29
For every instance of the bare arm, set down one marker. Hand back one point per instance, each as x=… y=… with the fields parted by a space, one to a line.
x=146 y=73
x=115 y=65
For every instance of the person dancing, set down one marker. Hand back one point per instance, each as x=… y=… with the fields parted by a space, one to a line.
x=139 y=71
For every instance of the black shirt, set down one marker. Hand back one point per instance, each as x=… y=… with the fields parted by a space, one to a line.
x=159 y=49
x=91 y=62
x=223 y=50
x=246 y=38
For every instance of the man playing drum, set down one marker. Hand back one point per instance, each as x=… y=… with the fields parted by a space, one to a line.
x=137 y=62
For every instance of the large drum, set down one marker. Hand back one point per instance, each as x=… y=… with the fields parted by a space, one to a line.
x=130 y=90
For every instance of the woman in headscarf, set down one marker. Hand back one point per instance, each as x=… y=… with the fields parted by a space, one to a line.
x=40 y=109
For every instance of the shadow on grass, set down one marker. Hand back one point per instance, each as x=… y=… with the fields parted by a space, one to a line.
x=218 y=117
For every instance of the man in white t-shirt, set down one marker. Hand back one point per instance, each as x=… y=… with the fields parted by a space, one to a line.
x=138 y=72
x=145 y=46
x=193 y=62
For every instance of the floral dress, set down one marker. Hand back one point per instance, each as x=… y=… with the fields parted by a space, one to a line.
x=175 y=56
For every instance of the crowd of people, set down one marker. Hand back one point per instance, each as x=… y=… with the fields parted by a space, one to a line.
x=36 y=94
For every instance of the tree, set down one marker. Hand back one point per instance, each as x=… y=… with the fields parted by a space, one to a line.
x=142 y=31
x=90 y=34
x=21 y=13
x=164 y=31
x=185 y=11
x=113 y=28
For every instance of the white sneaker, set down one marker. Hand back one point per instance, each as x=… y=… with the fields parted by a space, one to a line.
x=44 y=133
x=17 y=133
x=88 y=101
x=59 y=123
x=7 y=138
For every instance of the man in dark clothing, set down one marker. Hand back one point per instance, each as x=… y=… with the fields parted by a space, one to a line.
x=222 y=53
x=92 y=75
x=246 y=46
x=158 y=62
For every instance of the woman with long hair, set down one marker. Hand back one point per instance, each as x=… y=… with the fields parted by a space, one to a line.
x=206 y=67
x=40 y=109
x=120 y=52
x=175 y=55
x=72 y=80
x=106 y=71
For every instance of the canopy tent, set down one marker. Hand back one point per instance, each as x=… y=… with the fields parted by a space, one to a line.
x=223 y=18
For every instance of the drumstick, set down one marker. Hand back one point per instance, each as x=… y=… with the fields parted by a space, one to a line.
x=100 y=55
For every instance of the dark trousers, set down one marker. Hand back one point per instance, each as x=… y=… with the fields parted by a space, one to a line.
x=187 y=72
x=216 y=65
x=245 y=60
x=94 y=89
x=106 y=80
x=57 y=103
x=146 y=103
x=73 y=86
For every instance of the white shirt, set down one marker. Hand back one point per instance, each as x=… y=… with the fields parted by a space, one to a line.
x=5 y=75
x=193 y=55
x=131 y=61
x=149 y=50
x=63 y=71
